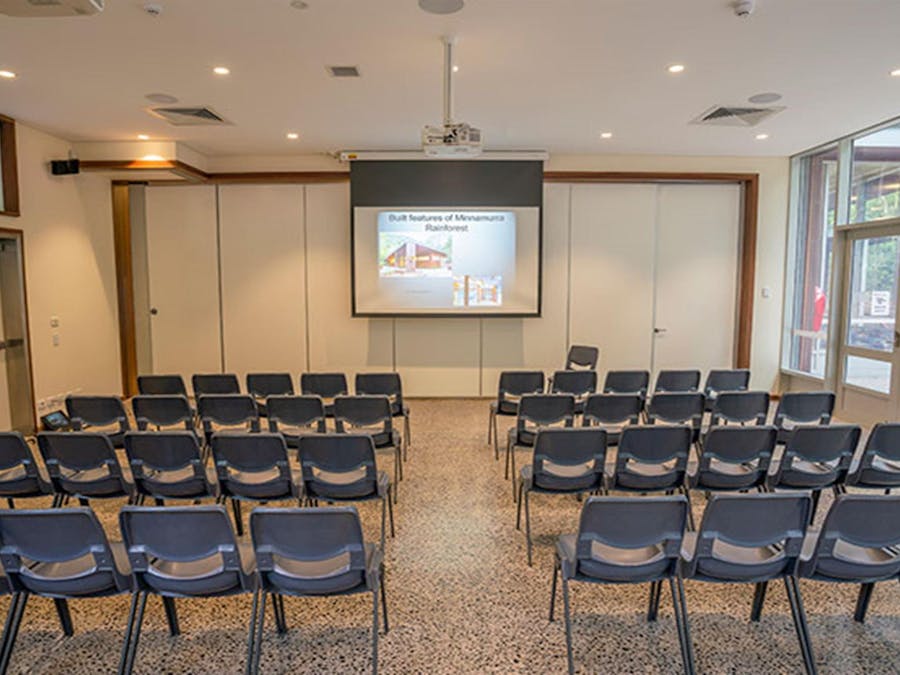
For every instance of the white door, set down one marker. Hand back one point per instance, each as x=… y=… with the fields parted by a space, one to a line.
x=184 y=279
x=697 y=253
x=868 y=365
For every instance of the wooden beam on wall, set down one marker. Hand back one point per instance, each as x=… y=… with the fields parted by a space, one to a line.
x=9 y=167
x=121 y=203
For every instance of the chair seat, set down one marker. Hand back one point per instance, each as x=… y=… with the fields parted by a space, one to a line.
x=15 y=482
x=610 y=564
x=350 y=486
x=79 y=577
x=564 y=479
x=321 y=577
x=267 y=484
x=179 y=483
x=202 y=578
x=735 y=563
x=96 y=482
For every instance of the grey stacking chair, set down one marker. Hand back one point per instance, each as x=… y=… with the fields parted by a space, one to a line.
x=677 y=381
x=878 y=467
x=390 y=385
x=512 y=386
x=734 y=458
x=84 y=465
x=627 y=540
x=371 y=415
x=677 y=408
x=536 y=411
x=262 y=385
x=232 y=412
x=295 y=416
x=582 y=356
x=102 y=414
x=181 y=552
x=327 y=386
x=253 y=467
x=807 y=407
x=612 y=412
x=342 y=468
x=61 y=554
x=21 y=476
x=578 y=383
x=627 y=382
x=718 y=381
x=205 y=384
x=816 y=458
x=858 y=544
x=315 y=552
x=740 y=407
x=565 y=461
x=161 y=385
x=162 y=412
x=753 y=539
x=169 y=465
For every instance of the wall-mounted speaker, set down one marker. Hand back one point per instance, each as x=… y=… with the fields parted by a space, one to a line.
x=64 y=167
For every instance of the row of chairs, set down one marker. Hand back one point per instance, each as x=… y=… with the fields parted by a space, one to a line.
x=742 y=539
x=731 y=459
x=187 y=552
x=170 y=465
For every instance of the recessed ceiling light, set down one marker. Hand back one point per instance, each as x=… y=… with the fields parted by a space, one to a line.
x=293 y=136
x=441 y=6
x=455 y=69
x=7 y=74
x=299 y=4
x=761 y=137
x=676 y=68
x=143 y=137
x=161 y=98
x=221 y=70
x=765 y=97
x=895 y=73
x=606 y=134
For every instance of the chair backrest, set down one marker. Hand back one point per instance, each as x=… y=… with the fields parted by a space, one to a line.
x=15 y=453
x=362 y=411
x=326 y=385
x=215 y=383
x=339 y=464
x=228 y=410
x=879 y=465
x=654 y=445
x=718 y=381
x=161 y=385
x=151 y=451
x=72 y=545
x=569 y=458
x=575 y=382
x=162 y=411
x=582 y=356
x=295 y=411
x=677 y=380
x=762 y=536
x=627 y=382
x=612 y=409
x=806 y=407
x=740 y=407
x=515 y=383
x=250 y=453
x=676 y=408
x=751 y=447
x=627 y=524
x=859 y=539
x=77 y=451
x=263 y=385
x=381 y=384
x=543 y=410
x=829 y=448
x=156 y=537
x=311 y=550
x=96 y=411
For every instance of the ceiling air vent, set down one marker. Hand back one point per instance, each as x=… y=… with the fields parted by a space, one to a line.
x=343 y=71
x=189 y=116
x=736 y=115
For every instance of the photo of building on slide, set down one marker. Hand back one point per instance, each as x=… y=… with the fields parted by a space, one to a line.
x=415 y=254
x=477 y=291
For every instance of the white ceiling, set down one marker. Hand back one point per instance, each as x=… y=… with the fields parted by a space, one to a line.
x=544 y=74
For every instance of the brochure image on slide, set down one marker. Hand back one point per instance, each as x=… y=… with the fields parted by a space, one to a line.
x=414 y=254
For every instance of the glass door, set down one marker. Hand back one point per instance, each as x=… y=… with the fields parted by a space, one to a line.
x=869 y=369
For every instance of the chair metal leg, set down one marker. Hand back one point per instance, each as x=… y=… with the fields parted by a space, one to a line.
x=690 y=509
x=553 y=586
x=524 y=494
x=862 y=602
x=759 y=597
x=490 y=425
x=496 y=441
x=11 y=628
x=384 y=501
x=793 y=593
x=384 y=609
x=398 y=475
x=407 y=436
x=135 y=633
x=10 y=503
x=506 y=461
x=390 y=506
x=374 y=631
x=653 y=602
x=260 y=624
x=129 y=629
x=679 y=603
x=519 y=506
x=512 y=462
x=251 y=636
x=568 y=621
x=278 y=613
x=238 y=520
x=65 y=617
x=816 y=494
x=171 y=616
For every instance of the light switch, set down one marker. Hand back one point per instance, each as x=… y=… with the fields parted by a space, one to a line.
x=54 y=322
x=56 y=339
x=766 y=292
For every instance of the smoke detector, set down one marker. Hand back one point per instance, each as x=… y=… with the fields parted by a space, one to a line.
x=744 y=8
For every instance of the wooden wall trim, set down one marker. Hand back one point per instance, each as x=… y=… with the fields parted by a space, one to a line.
x=646 y=177
x=121 y=204
x=747 y=292
x=9 y=167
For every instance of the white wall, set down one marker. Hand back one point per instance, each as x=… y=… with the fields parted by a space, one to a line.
x=70 y=271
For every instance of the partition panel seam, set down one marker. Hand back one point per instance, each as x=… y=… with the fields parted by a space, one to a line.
x=304 y=214
x=219 y=273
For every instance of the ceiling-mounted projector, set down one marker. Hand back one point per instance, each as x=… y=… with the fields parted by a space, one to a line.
x=452 y=139
x=47 y=8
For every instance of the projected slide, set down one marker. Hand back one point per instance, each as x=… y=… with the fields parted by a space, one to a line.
x=442 y=260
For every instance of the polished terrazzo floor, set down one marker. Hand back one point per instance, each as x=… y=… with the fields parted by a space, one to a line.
x=463 y=600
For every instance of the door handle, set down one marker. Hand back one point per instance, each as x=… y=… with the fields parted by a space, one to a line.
x=896 y=339
x=153 y=311
x=659 y=331
x=3 y=345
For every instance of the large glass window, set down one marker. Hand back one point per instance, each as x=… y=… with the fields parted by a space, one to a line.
x=811 y=266
x=873 y=303
x=875 y=184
